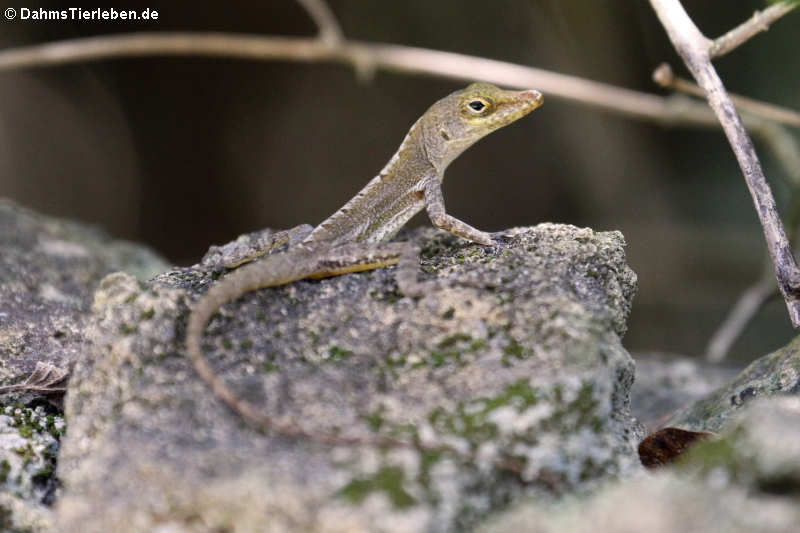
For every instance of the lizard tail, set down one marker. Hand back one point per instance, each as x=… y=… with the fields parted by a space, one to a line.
x=271 y=271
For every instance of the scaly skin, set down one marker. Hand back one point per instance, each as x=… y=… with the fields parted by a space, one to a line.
x=347 y=241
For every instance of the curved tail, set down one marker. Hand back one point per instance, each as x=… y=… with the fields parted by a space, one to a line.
x=272 y=271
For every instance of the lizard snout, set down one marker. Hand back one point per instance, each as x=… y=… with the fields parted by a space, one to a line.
x=533 y=96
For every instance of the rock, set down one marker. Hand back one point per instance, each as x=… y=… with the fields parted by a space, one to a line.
x=22 y=516
x=774 y=374
x=747 y=479
x=667 y=382
x=662 y=503
x=50 y=268
x=28 y=448
x=759 y=449
x=516 y=385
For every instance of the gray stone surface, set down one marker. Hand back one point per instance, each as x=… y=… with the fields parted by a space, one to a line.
x=49 y=269
x=758 y=450
x=28 y=449
x=18 y=515
x=517 y=388
x=668 y=382
x=774 y=374
x=747 y=479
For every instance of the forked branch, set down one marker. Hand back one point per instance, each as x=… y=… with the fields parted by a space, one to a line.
x=760 y=21
x=695 y=49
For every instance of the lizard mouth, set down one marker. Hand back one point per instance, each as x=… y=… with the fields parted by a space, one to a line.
x=518 y=105
x=531 y=99
x=534 y=98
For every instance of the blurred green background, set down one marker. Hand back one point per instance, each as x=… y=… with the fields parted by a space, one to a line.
x=184 y=152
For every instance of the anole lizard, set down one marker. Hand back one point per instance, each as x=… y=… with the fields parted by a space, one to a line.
x=353 y=238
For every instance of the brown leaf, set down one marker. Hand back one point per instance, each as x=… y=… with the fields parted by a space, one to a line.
x=44 y=378
x=667 y=444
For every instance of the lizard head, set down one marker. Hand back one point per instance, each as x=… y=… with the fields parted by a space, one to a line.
x=460 y=119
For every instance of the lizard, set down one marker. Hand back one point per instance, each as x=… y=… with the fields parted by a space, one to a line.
x=353 y=239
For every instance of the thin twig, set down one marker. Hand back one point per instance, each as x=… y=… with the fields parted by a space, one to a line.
x=329 y=30
x=665 y=77
x=784 y=147
x=389 y=57
x=755 y=296
x=363 y=56
x=747 y=306
x=693 y=48
x=760 y=21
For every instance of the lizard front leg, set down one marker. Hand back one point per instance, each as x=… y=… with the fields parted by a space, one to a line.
x=434 y=202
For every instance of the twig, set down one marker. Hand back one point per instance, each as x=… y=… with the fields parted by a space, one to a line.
x=665 y=77
x=754 y=297
x=329 y=30
x=747 y=306
x=389 y=57
x=785 y=149
x=363 y=55
x=693 y=48
x=760 y=21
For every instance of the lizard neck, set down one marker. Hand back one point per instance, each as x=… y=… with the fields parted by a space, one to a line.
x=387 y=202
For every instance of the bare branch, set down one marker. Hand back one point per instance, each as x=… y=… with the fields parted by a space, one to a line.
x=758 y=294
x=389 y=57
x=760 y=21
x=665 y=77
x=749 y=304
x=329 y=30
x=694 y=49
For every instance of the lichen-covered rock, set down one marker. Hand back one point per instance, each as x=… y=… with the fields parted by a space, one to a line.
x=746 y=479
x=518 y=387
x=774 y=374
x=18 y=515
x=759 y=449
x=49 y=269
x=28 y=448
x=662 y=503
x=668 y=382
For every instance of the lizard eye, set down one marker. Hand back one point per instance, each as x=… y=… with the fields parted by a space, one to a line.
x=477 y=106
